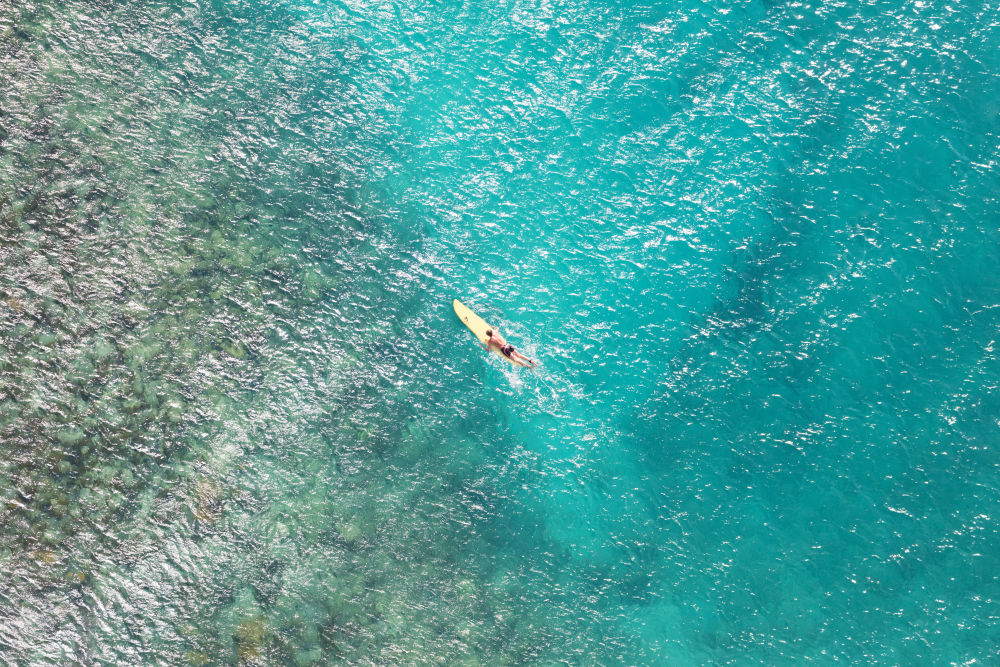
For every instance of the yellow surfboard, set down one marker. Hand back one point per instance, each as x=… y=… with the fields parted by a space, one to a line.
x=476 y=325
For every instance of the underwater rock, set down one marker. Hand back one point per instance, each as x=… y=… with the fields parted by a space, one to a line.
x=173 y=410
x=250 y=636
x=144 y=351
x=44 y=556
x=15 y=304
x=312 y=656
x=350 y=531
x=207 y=505
x=469 y=660
x=314 y=283
x=234 y=349
x=70 y=436
x=50 y=536
x=204 y=200
x=82 y=370
x=102 y=350
x=182 y=269
x=197 y=658
x=76 y=577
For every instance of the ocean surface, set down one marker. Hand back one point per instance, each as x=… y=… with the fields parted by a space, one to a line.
x=754 y=246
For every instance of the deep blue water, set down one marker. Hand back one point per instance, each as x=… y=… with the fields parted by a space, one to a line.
x=755 y=248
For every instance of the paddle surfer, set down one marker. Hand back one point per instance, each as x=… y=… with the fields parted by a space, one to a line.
x=494 y=339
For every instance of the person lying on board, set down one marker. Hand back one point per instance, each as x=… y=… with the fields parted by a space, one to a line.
x=494 y=339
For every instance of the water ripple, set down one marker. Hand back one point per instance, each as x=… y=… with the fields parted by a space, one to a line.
x=752 y=247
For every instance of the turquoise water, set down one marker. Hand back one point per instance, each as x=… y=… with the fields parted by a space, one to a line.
x=754 y=246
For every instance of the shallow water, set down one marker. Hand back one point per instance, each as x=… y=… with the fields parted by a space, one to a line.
x=754 y=247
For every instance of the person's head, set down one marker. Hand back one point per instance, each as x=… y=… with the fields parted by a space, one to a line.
x=489 y=333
